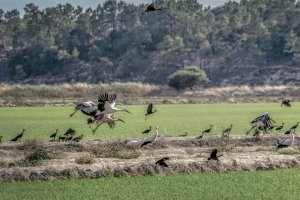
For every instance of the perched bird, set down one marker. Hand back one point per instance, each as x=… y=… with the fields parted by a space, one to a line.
x=213 y=155
x=279 y=127
x=87 y=108
x=150 y=110
x=208 y=130
x=295 y=126
x=53 y=135
x=150 y=140
x=151 y=8
x=18 y=137
x=287 y=142
x=77 y=139
x=161 y=162
x=70 y=131
x=147 y=130
x=227 y=131
x=286 y=102
x=106 y=118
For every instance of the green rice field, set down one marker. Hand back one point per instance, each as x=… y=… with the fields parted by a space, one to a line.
x=278 y=184
x=40 y=122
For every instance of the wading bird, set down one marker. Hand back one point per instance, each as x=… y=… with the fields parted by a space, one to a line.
x=207 y=130
x=288 y=142
x=286 y=102
x=106 y=119
x=70 y=131
x=161 y=162
x=151 y=8
x=63 y=138
x=295 y=126
x=150 y=110
x=87 y=108
x=53 y=135
x=77 y=139
x=150 y=140
x=279 y=127
x=213 y=155
x=18 y=137
x=147 y=130
x=227 y=131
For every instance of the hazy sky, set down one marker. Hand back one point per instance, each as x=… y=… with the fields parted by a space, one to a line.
x=19 y=4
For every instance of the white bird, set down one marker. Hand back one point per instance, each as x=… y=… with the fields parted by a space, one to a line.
x=106 y=104
x=152 y=139
x=287 y=142
x=105 y=118
x=87 y=108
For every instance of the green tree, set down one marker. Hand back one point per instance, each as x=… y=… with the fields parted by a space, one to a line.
x=187 y=78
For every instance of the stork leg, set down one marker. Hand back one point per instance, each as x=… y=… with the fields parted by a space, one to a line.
x=71 y=115
x=247 y=133
x=94 y=131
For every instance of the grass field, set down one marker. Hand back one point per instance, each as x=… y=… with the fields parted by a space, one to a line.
x=173 y=119
x=278 y=184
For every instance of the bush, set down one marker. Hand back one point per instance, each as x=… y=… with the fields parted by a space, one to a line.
x=187 y=77
x=85 y=159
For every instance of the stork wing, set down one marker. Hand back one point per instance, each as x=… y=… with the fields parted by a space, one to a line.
x=102 y=100
x=150 y=107
x=287 y=142
x=112 y=100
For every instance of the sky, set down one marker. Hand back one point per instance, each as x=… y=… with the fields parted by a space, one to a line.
x=19 y=4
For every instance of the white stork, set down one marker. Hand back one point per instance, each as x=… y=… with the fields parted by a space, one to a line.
x=105 y=119
x=288 y=142
x=87 y=108
x=106 y=104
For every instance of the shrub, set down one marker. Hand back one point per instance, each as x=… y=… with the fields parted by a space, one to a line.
x=187 y=77
x=85 y=159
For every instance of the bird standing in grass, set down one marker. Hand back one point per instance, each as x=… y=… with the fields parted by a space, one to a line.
x=279 y=127
x=286 y=102
x=150 y=110
x=150 y=140
x=87 y=108
x=147 y=130
x=295 y=126
x=18 y=137
x=151 y=8
x=53 y=135
x=207 y=130
x=161 y=162
x=70 y=131
x=227 y=131
x=63 y=138
x=288 y=142
x=213 y=155
x=77 y=139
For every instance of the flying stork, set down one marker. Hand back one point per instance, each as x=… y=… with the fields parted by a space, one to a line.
x=150 y=110
x=87 y=108
x=106 y=104
x=288 y=142
x=105 y=118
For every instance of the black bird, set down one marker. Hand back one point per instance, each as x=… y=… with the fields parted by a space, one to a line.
x=70 y=131
x=150 y=110
x=208 y=130
x=287 y=132
x=0 y=138
x=19 y=136
x=279 y=127
x=295 y=126
x=227 y=131
x=61 y=138
x=77 y=139
x=53 y=135
x=147 y=130
x=286 y=102
x=151 y=8
x=213 y=155
x=162 y=163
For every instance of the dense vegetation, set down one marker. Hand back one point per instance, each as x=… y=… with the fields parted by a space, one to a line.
x=241 y=42
x=277 y=184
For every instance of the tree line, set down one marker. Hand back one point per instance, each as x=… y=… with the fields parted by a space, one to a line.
x=117 y=41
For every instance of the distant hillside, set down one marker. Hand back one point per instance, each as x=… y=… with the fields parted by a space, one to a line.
x=248 y=43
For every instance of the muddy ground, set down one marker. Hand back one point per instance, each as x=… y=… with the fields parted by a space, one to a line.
x=95 y=159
